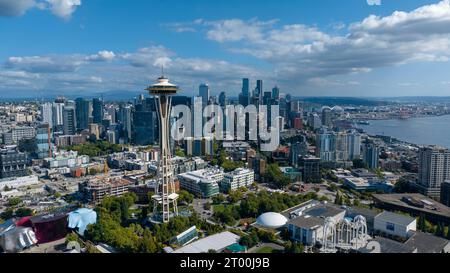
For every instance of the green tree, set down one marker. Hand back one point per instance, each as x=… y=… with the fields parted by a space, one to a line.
x=227 y=215
x=379 y=173
x=98 y=148
x=214 y=162
x=267 y=236
x=23 y=212
x=215 y=146
x=421 y=223
x=179 y=152
x=218 y=199
x=287 y=246
x=338 y=200
x=332 y=187
x=144 y=213
x=235 y=196
x=230 y=166
x=73 y=237
x=247 y=241
x=275 y=176
x=12 y=202
x=294 y=247
x=222 y=157
x=125 y=203
x=7 y=214
x=91 y=249
x=185 y=196
x=440 y=230
x=356 y=203
x=148 y=244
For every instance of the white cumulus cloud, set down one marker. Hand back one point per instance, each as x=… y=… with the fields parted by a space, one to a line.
x=60 y=8
x=103 y=55
x=15 y=7
x=108 y=71
x=64 y=8
x=300 y=52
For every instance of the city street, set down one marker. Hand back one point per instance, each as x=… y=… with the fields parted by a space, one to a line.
x=198 y=205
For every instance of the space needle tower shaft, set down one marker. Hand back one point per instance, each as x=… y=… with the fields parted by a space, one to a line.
x=165 y=195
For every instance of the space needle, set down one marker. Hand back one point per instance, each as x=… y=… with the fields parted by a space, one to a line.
x=165 y=196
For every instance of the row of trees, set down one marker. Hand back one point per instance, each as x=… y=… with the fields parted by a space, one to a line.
x=185 y=197
x=342 y=200
x=11 y=212
x=226 y=164
x=404 y=186
x=112 y=227
x=115 y=228
x=439 y=230
x=293 y=247
x=233 y=197
x=15 y=209
x=276 y=177
x=256 y=204
x=98 y=148
x=256 y=236
x=166 y=231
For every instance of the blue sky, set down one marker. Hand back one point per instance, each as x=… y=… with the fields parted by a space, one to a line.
x=308 y=48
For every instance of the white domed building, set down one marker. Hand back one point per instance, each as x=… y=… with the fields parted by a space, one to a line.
x=271 y=220
x=337 y=109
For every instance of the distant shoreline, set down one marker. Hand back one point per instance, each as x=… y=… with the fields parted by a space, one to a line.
x=427 y=133
x=409 y=118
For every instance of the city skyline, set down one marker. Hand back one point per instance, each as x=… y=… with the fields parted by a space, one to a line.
x=86 y=48
x=233 y=127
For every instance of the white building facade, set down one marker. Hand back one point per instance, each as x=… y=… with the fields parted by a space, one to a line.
x=18 y=182
x=238 y=179
x=395 y=224
x=203 y=183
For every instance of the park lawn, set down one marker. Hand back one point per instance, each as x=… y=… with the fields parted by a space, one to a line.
x=218 y=208
x=266 y=250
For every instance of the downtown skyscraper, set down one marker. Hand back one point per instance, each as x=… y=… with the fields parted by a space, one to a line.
x=338 y=146
x=58 y=116
x=145 y=127
x=125 y=118
x=244 y=97
x=83 y=113
x=434 y=169
x=46 y=110
x=205 y=93
x=97 y=110
x=69 y=120
x=371 y=154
